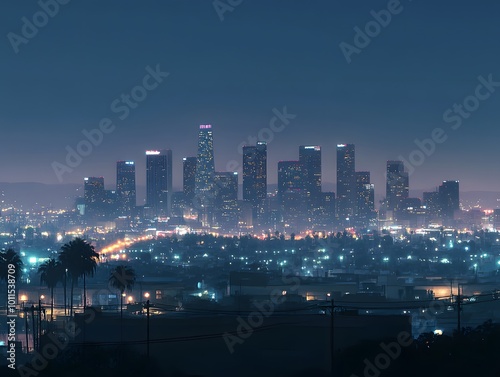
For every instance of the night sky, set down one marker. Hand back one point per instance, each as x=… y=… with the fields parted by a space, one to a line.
x=233 y=73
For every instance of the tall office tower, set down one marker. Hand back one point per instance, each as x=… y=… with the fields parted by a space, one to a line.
x=205 y=171
x=159 y=181
x=111 y=207
x=397 y=185
x=188 y=178
x=291 y=194
x=290 y=177
x=346 y=183
x=326 y=212
x=125 y=187
x=94 y=196
x=449 y=199
x=365 y=199
x=255 y=179
x=310 y=157
x=431 y=202
x=226 y=200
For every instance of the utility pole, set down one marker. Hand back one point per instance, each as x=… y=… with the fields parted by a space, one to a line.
x=34 y=327
x=459 y=309
x=26 y=328
x=332 y=348
x=39 y=324
x=147 y=327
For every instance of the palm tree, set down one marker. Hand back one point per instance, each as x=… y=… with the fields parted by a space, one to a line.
x=51 y=273
x=79 y=258
x=122 y=278
x=10 y=257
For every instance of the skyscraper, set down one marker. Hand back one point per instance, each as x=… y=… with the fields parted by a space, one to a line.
x=365 y=199
x=449 y=199
x=205 y=172
x=94 y=196
x=226 y=199
x=125 y=187
x=310 y=158
x=292 y=195
x=432 y=205
x=397 y=186
x=346 y=182
x=290 y=177
x=189 y=178
x=255 y=177
x=159 y=181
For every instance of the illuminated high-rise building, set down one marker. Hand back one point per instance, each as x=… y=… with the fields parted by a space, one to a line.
x=432 y=205
x=397 y=186
x=290 y=177
x=189 y=177
x=365 y=199
x=205 y=172
x=255 y=178
x=292 y=195
x=159 y=181
x=226 y=200
x=94 y=196
x=346 y=183
x=310 y=158
x=449 y=199
x=125 y=187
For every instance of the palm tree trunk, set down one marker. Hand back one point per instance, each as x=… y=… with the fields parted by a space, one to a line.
x=121 y=317
x=52 y=304
x=84 y=293
x=65 y=299
x=71 y=298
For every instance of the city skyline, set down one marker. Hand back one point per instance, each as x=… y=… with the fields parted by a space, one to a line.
x=187 y=181
x=381 y=102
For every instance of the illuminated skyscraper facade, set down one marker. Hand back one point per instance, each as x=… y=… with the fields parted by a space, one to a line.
x=189 y=177
x=205 y=173
x=94 y=196
x=226 y=200
x=365 y=200
x=449 y=199
x=346 y=183
x=310 y=158
x=125 y=187
x=397 y=186
x=255 y=178
x=292 y=195
x=159 y=181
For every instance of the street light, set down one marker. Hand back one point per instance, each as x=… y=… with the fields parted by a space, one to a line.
x=146 y=295
x=130 y=299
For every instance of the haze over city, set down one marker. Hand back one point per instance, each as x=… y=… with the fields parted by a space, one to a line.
x=250 y=188
x=232 y=74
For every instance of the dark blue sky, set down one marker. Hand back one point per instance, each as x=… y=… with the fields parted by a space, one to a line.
x=263 y=55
